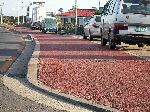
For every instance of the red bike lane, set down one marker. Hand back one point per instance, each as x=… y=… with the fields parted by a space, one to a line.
x=87 y=70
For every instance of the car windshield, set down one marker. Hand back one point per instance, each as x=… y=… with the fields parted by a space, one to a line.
x=34 y=23
x=50 y=22
x=136 y=7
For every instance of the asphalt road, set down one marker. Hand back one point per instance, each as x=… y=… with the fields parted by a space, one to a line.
x=9 y=43
x=9 y=101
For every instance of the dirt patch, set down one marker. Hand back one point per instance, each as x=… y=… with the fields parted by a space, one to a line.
x=137 y=51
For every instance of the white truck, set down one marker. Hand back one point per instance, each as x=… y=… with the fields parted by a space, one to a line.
x=126 y=21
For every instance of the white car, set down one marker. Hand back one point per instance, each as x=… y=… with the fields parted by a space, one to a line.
x=92 y=28
x=126 y=21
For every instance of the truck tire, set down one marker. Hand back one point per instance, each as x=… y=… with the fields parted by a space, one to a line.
x=103 y=41
x=55 y=32
x=44 y=31
x=84 y=36
x=141 y=45
x=112 y=44
x=90 y=36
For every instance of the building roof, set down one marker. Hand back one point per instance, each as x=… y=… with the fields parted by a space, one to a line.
x=80 y=12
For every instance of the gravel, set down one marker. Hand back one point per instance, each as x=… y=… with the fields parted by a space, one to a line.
x=86 y=70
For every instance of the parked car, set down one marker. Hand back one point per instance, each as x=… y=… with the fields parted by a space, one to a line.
x=92 y=28
x=36 y=25
x=49 y=25
x=126 y=21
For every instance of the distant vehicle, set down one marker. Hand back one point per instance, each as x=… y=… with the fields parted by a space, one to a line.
x=49 y=25
x=126 y=21
x=36 y=25
x=92 y=28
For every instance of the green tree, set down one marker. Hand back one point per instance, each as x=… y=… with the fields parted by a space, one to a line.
x=97 y=11
x=61 y=10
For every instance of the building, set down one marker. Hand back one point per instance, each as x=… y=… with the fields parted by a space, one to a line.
x=82 y=14
x=49 y=14
x=36 y=11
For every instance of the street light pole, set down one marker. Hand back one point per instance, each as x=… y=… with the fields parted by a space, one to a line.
x=22 y=13
x=18 y=13
x=2 y=13
x=99 y=4
x=76 y=17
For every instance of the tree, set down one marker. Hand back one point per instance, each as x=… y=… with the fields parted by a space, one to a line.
x=73 y=8
x=59 y=22
x=97 y=11
x=61 y=10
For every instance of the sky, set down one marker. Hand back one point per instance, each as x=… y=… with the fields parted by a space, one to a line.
x=10 y=6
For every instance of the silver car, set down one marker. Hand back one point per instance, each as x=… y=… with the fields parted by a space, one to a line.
x=92 y=28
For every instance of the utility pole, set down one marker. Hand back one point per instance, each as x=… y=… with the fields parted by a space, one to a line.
x=76 y=17
x=18 y=13
x=2 y=13
x=99 y=5
x=22 y=13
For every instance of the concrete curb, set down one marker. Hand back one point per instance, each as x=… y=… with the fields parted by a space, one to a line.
x=32 y=78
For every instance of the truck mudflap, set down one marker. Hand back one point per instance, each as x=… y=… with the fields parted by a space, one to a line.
x=134 y=39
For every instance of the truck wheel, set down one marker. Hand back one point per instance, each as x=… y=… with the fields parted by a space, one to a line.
x=55 y=32
x=140 y=45
x=44 y=31
x=84 y=36
x=112 y=44
x=103 y=40
x=90 y=36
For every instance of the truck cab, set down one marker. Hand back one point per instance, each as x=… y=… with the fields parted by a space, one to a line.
x=126 y=21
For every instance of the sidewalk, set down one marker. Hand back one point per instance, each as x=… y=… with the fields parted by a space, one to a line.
x=85 y=72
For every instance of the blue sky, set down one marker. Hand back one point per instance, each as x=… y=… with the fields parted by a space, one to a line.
x=10 y=6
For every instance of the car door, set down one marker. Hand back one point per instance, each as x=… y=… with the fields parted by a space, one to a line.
x=88 y=27
x=95 y=27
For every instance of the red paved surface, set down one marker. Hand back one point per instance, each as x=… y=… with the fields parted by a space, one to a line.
x=119 y=80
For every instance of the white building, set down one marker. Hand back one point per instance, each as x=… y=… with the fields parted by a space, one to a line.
x=36 y=11
x=49 y=14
